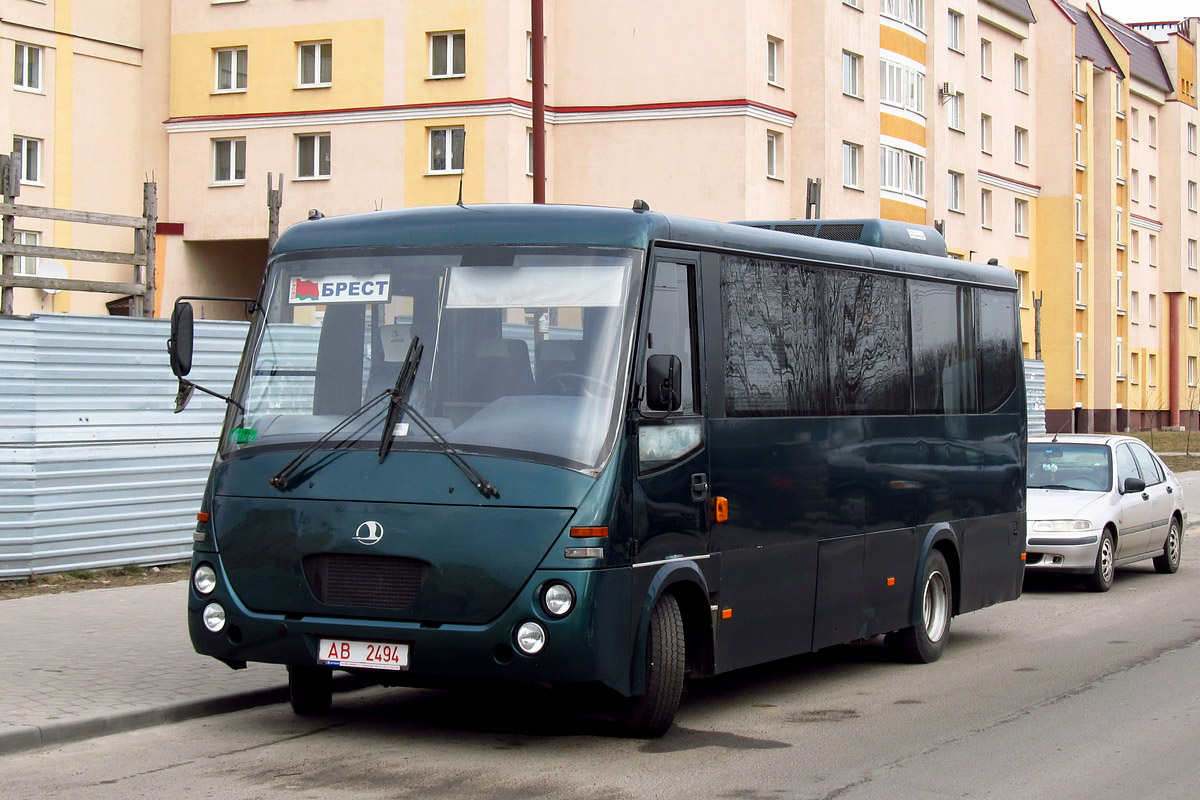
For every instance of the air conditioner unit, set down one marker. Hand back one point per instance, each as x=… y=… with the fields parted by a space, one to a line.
x=947 y=89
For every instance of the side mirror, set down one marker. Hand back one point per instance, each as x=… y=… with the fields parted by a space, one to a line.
x=1133 y=486
x=184 y=395
x=179 y=346
x=664 y=373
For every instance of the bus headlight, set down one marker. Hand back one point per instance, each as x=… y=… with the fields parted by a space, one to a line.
x=214 y=617
x=204 y=579
x=530 y=638
x=558 y=599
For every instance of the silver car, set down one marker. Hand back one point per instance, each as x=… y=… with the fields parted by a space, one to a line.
x=1098 y=501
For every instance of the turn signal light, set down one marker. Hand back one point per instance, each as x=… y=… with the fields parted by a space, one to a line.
x=598 y=532
x=203 y=516
x=720 y=509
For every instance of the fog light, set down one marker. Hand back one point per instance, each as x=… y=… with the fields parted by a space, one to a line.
x=214 y=617
x=558 y=599
x=531 y=638
x=204 y=579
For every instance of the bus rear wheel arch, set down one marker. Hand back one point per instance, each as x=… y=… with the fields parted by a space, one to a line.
x=924 y=642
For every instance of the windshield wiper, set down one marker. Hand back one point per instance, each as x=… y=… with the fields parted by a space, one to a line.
x=1053 y=486
x=400 y=406
x=282 y=478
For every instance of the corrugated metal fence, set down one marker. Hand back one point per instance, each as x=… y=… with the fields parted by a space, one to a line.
x=95 y=469
x=1035 y=395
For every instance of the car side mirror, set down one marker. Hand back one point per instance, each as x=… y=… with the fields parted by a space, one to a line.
x=1133 y=486
x=664 y=373
x=179 y=346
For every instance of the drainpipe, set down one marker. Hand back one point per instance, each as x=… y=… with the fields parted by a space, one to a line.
x=537 y=34
x=1174 y=357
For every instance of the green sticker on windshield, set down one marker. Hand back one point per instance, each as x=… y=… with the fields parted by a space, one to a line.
x=243 y=435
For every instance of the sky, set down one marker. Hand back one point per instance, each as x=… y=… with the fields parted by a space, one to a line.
x=1151 y=10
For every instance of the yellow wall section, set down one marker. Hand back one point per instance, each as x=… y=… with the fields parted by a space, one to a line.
x=445 y=15
x=423 y=189
x=903 y=212
x=64 y=123
x=1187 y=69
x=272 y=69
x=1055 y=278
x=901 y=128
x=901 y=43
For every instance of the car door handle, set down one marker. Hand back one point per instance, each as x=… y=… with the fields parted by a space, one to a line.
x=1145 y=496
x=1170 y=490
x=699 y=487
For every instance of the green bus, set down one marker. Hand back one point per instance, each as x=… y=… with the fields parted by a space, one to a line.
x=571 y=445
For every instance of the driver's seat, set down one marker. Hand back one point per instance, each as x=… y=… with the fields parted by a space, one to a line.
x=554 y=357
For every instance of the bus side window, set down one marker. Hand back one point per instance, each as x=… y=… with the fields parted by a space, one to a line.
x=669 y=331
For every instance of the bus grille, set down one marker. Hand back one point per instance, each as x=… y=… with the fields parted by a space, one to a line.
x=369 y=581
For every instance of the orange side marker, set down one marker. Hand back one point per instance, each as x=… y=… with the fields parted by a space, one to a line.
x=726 y=613
x=891 y=581
x=720 y=509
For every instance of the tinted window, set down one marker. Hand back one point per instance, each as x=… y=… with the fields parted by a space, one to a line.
x=1151 y=472
x=775 y=362
x=997 y=343
x=670 y=327
x=868 y=343
x=944 y=379
x=1126 y=466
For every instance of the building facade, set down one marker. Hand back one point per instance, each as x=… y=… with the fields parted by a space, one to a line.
x=1043 y=134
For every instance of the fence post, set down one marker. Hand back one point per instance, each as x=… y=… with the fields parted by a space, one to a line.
x=10 y=177
x=150 y=212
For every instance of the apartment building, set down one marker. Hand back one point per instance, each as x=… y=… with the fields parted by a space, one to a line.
x=84 y=110
x=1042 y=134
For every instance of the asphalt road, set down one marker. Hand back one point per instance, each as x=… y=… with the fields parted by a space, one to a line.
x=1061 y=694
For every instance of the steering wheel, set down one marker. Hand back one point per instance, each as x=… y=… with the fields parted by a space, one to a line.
x=587 y=385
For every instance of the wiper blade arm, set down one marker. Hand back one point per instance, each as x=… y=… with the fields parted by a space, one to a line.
x=282 y=478
x=477 y=480
x=399 y=395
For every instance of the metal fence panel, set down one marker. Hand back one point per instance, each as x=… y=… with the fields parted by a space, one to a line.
x=1035 y=395
x=95 y=469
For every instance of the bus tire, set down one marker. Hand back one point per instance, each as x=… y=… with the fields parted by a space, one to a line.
x=924 y=643
x=1168 y=562
x=310 y=690
x=650 y=715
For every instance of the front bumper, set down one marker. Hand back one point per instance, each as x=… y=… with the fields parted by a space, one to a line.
x=593 y=643
x=1061 y=552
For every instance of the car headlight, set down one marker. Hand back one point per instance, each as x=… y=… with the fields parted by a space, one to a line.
x=204 y=579
x=1061 y=525
x=558 y=599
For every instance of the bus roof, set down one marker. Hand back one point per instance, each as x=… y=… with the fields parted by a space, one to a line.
x=504 y=224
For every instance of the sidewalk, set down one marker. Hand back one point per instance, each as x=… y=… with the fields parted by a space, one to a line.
x=96 y=662
x=102 y=661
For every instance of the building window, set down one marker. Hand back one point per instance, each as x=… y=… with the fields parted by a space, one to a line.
x=774 y=51
x=954 y=30
x=1153 y=186
x=913 y=13
x=26 y=265
x=985 y=133
x=1022 y=284
x=852 y=165
x=1079 y=284
x=1191 y=306
x=1153 y=131
x=446 y=149
x=1135 y=180
x=1078 y=145
x=1134 y=307
x=1021 y=146
x=985 y=208
x=852 y=74
x=954 y=111
x=313 y=155
x=1191 y=195
x=901 y=171
x=985 y=59
x=853 y=4
x=1134 y=245
x=901 y=86
x=1120 y=100
x=30 y=151
x=1120 y=291
x=315 y=63
x=27 y=71
x=1079 y=354
x=448 y=54
x=1120 y=219
x=231 y=69
x=1135 y=124
x=1152 y=310
x=1191 y=370
x=528 y=151
x=1152 y=369
x=1079 y=215
x=229 y=160
x=1120 y=357
x=954 y=191
x=1078 y=77
x=1119 y=164
x=1133 y=368
x=1191 y=137
x=1191 y=254
x=1153 y=256
x=1021 y=74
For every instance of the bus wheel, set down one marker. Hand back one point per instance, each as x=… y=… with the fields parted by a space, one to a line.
x=651 y=714
x=924 y=643
x=310 y=690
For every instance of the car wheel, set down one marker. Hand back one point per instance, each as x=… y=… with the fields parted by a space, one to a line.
x=924 y=643
x=650 y=715
x=1101 y=578
x=310 y=690
x=1168 y=562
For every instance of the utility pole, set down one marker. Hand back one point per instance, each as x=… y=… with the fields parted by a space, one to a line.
x=812 y=203
x=274 y=203
x=10 y=176
x=1037 y=326
x=538 y=56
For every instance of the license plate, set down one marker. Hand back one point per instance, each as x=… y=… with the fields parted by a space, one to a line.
x=368 y=655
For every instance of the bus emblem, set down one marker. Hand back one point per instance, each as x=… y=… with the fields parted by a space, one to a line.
x=369 y=532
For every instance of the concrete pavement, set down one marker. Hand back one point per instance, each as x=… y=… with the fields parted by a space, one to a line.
x=103 y=661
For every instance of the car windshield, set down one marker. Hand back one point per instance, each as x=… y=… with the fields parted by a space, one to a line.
x=1083 y=467
x=523 y=349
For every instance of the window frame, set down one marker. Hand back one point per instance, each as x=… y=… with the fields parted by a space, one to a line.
x=31 y=168
x=852 y=74
x=1020 y=73
x=852 y=165
x=955 y=30
x=239 y=67
x=320 y=81
x=316 y=175
x=232 y=142
x=955 y=186
x=1021 y=146
x=450 y=38
x=26 y=265
x=451 y=153
x=21 y=52
x=774 y=60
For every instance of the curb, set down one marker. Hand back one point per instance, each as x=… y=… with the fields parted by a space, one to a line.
x=22 y=737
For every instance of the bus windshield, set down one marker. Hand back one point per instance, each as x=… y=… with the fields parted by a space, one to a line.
x=524 y=349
